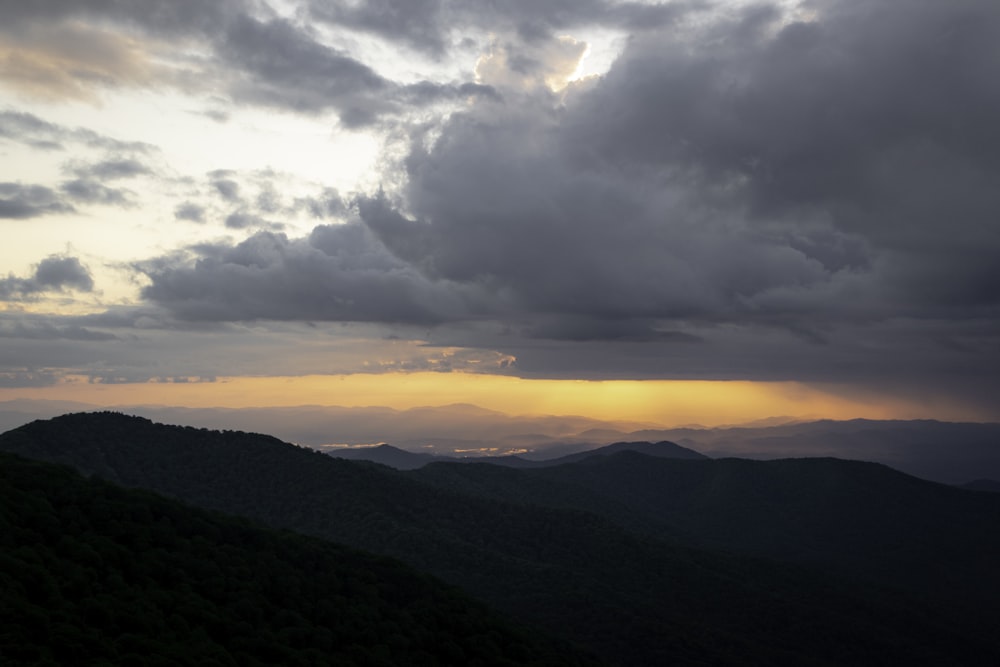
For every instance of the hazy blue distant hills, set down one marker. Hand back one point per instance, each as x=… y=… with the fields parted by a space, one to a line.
x=662 y=449
x=948 y=452
x=387 y=455
x=609 y=551
x=91 y=573
x=403 y=460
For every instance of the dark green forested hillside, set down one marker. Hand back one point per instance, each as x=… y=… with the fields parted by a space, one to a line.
x=859 y=519
x=631 y=597
x=91 y=574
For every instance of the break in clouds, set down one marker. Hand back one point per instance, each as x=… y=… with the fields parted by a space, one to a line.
x=796 y=191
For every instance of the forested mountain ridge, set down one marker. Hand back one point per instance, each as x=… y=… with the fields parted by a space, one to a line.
x=91 y=573
x=857 y=518
x=631 y=597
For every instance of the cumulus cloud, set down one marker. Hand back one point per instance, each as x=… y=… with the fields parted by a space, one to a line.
x=190 y=211
x=338 y=273
x=750 y=170
x=90 y=191
x=19 y=201
x=55 y=273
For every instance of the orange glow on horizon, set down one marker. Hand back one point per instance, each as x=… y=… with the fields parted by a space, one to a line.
x=653 y=402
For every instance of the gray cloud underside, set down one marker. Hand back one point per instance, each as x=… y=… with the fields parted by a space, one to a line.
x=19 y=201
x=833 y=179
x=29 y=129
x=428 y=25
x=282 y=66
x=339 y=273
x=53 y=274
x=257 y=57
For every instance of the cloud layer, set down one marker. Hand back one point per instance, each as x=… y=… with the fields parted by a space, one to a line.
x=766 y=191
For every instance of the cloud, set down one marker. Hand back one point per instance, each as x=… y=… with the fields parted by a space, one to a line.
x=244 y=220
x=752 y=170
x=113 y=168
x=337 y=273
x=89 y=191
x=748 y=195
x=60 y=52
x=25 y=378
x=38 y=329
x=429 y=25
x=282 y=65
x=55 y=273
x=227 y=188
x=19 y=201
x=29 y=129
x=190 y=211
x=71 y=61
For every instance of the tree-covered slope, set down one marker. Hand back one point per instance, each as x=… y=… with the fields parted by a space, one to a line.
x=633 y=599
x=91 y=573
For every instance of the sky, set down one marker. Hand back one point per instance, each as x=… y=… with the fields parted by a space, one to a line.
x=665 y=212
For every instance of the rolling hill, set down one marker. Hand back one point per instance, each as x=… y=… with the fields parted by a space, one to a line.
x=633 y=596
x=91 y=573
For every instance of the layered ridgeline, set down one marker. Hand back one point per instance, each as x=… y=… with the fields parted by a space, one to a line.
x=862 y=520
x=400 y=459
x=92 y=573
x=587 y=563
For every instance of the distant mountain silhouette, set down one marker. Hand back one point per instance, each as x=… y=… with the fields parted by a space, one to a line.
x=618 y=587
x=387 y=455
x=662 y=449
x=947 y=452
x=404 y=460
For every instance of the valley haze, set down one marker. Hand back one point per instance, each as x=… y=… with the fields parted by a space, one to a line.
x=947 y=452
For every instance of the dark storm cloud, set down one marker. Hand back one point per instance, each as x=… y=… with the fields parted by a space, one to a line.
x=427 y=25
x=339 y=272
x=750 y=170
x=53 y=274
x=19 y=201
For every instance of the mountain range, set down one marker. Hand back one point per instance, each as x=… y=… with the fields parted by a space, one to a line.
x=401 y=459
x=948 y=452
x=640 y=559
x=92 y=573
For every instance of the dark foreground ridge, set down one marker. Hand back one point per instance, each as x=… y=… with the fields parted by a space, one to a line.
x=92 y=573
x=639 y=592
